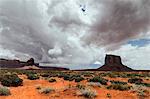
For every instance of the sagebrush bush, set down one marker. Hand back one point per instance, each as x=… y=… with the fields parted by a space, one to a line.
x=99 y=79
x=144 y=84
x=46 y=90
x=32 y=76
x=45 y=75
x=52 y=80
x=119 y=87
x=88 y=93
x=135 y=80
x=80 y=86
x=140 y=90
x=78 y=79
x=70 y=77
x=118 y=82
x=11 y=80
x=4 y=91
x=94 y=84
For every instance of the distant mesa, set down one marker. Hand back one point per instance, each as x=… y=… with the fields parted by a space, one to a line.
x=114 y=63
x=5 y=63
x=29 y=65
x=30 y=62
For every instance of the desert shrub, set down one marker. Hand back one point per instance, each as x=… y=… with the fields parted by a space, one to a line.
x=38 y=87
x=29 y=72
x=140 y=90
x=118 y=82
x=110 y=74
x=46 y=90
x=11 y=80
x=133 y=75
x=61 y=75
x=80 y=86
x=45 y=75
x=108 y=95
x=70 y=77
x=99 y=79
x=144 y=84
x=87 y=74
x=94 y=84
x=78 y=79
x=4 y=91
x=135 y=80
x=88 y=93
x=119 y=87
x=52 y=80
x=32 y=76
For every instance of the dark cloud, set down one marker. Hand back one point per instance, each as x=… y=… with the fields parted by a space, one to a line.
x=119 y=21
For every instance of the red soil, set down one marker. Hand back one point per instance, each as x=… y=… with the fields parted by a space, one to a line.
x=29 y=91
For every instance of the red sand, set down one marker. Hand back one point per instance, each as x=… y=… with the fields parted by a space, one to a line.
x=29 y=91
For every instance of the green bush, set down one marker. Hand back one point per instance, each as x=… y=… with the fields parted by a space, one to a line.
x=45 y=75
x=99 y=79
x=118 y=82
x=29 y=72
x=144 y=84
x=135 y=80
x=119 y=87
x=4 y=91
x=78 y=79
x=32 y=76
x=70 y=77
x=11 y=80
x=52 y=80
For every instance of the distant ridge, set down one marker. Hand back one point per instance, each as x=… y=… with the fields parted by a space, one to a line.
x=29 y=65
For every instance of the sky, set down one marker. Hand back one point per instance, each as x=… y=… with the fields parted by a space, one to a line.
x=76 y=32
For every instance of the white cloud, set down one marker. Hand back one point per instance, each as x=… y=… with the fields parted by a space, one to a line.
x=134 y=57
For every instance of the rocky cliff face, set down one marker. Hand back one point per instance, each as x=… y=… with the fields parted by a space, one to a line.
x=113 y=60
x=114 y=63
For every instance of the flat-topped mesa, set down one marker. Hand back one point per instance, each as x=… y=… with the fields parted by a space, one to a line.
x=113 y=60
x=114 y=63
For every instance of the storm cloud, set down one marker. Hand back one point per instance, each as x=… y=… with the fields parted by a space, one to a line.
x=57 y=31
x=44 y=30
x=119 y=21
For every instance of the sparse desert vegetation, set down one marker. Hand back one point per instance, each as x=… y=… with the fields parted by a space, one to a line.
x=73 y=84
x=4 y=91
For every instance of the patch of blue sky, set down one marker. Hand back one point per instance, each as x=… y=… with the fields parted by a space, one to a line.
x=139 y=42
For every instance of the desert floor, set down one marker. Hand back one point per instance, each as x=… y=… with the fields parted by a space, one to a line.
x=67 y=90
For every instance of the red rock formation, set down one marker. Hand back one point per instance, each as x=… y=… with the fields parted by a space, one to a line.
x=29 y=65
x=4 y=63
x=114 y=63
x=30 y=62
